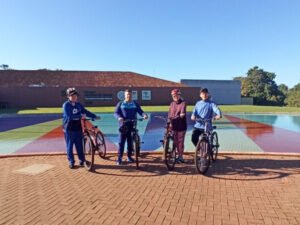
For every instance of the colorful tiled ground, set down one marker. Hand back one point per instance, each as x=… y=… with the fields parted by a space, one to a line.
x=237 y=133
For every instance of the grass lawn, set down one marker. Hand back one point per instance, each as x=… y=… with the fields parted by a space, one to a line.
x=224 y=108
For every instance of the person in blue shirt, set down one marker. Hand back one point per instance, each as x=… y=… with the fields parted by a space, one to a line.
x=127 y=110
x=73 y=112
x=204 y=109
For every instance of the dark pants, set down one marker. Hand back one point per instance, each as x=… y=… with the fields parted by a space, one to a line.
x=196 y=134
x=123 y=137
x=74 y=137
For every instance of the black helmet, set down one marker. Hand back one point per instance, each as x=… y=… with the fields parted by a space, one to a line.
x=71 y=91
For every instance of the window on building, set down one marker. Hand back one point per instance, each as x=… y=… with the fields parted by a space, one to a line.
x=93 y=96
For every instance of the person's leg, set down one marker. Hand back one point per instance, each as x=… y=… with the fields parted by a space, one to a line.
x=78 y=139
x=129 y=144
x=180 y=143
x=69 y=143
x=122 y=139
x=195 y=136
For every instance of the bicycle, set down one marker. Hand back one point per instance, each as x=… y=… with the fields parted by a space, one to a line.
x=206 y=148
x=136 y=145
x=169 y=146
x=93 y=140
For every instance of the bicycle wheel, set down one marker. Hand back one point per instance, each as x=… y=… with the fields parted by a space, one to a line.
x=101 y=145
x=214 y=146
x=202 y=157
x=88 y=152
x=169 y=153
x=136 y=150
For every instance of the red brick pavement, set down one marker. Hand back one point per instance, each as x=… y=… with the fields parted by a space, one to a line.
x=236 y=190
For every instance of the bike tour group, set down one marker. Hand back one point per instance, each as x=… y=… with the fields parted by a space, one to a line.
x=89 y=140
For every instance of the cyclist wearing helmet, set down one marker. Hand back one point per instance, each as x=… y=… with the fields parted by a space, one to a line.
x=177 y=118
x=127 y=110
x=73 y=112
x=205 y=109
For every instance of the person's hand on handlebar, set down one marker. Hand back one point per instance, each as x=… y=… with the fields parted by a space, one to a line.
x=121 y=120
x=217 y=117
x=145 y=116
x=193 y=117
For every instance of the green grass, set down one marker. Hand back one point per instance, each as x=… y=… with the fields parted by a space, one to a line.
x=224 y=108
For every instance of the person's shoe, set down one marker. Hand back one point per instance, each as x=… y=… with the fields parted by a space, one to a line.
x=130 y=159
x=177 y=160
x=180 y=158
x=119 y=162
x=81 y=163
x=71 y=166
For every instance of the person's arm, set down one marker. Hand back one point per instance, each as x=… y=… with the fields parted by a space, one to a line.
x=216 y=111
x=118 y=113
x=183 y=110
x=194 y=113
x=87 y=112
x=140 y=111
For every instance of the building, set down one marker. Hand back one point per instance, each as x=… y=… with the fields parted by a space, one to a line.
x=223 y=92
x=46 y=88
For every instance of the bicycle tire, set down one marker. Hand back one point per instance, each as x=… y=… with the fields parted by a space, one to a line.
x=214 y=146
x=89 y=152
x=136 y=149
x=169 y=153
x=101 y=145
x=202 y=157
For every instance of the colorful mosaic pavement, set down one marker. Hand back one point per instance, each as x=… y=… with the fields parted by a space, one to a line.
x=237 y=133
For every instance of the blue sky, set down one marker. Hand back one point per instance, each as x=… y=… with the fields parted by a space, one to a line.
x=169 y=39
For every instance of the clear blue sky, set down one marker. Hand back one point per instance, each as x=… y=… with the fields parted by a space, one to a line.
x=170 y=39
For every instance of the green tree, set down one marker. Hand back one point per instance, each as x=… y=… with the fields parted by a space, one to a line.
x=293 y=98
x=261 y=85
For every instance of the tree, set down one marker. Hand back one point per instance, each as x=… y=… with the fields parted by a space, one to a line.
x=4 y=66
x=293 y=98
x=260 y=85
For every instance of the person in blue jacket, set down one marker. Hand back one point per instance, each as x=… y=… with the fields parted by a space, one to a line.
x=205 y=109
x=73 y=112
x=127 y=110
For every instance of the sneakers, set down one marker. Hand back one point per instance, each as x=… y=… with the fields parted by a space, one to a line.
x=119 y=162
x=81 y=163
x=180 y=160
x=130 y=159
x=71 y=166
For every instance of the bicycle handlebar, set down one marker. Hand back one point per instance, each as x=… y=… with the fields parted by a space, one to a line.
x=134 y=120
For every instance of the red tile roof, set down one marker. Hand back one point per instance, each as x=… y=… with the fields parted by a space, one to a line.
x=55 y=78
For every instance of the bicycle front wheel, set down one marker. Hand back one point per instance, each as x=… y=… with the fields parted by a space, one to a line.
x=202 y=157
x=101 y=145
x=136 y=150
x=88 y=152
x=169 y=153
x=214 y=146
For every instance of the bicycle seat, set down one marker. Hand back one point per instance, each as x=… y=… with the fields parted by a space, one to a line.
x=214 y=127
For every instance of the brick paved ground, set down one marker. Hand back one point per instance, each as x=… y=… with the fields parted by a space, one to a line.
x=236 y=190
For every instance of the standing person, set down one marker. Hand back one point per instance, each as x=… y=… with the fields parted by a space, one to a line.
x=73 y=112
x=127 y=110
x=205 y=109
x=177 y=118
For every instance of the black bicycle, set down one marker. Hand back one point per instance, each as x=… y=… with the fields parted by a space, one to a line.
x=207 y=147
x=136 y=140
x=93 y=141
x=169 y=146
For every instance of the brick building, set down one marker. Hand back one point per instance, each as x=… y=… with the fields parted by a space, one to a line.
x=46 y=88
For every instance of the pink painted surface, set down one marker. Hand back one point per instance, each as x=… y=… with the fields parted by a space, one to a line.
x=269 y=138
